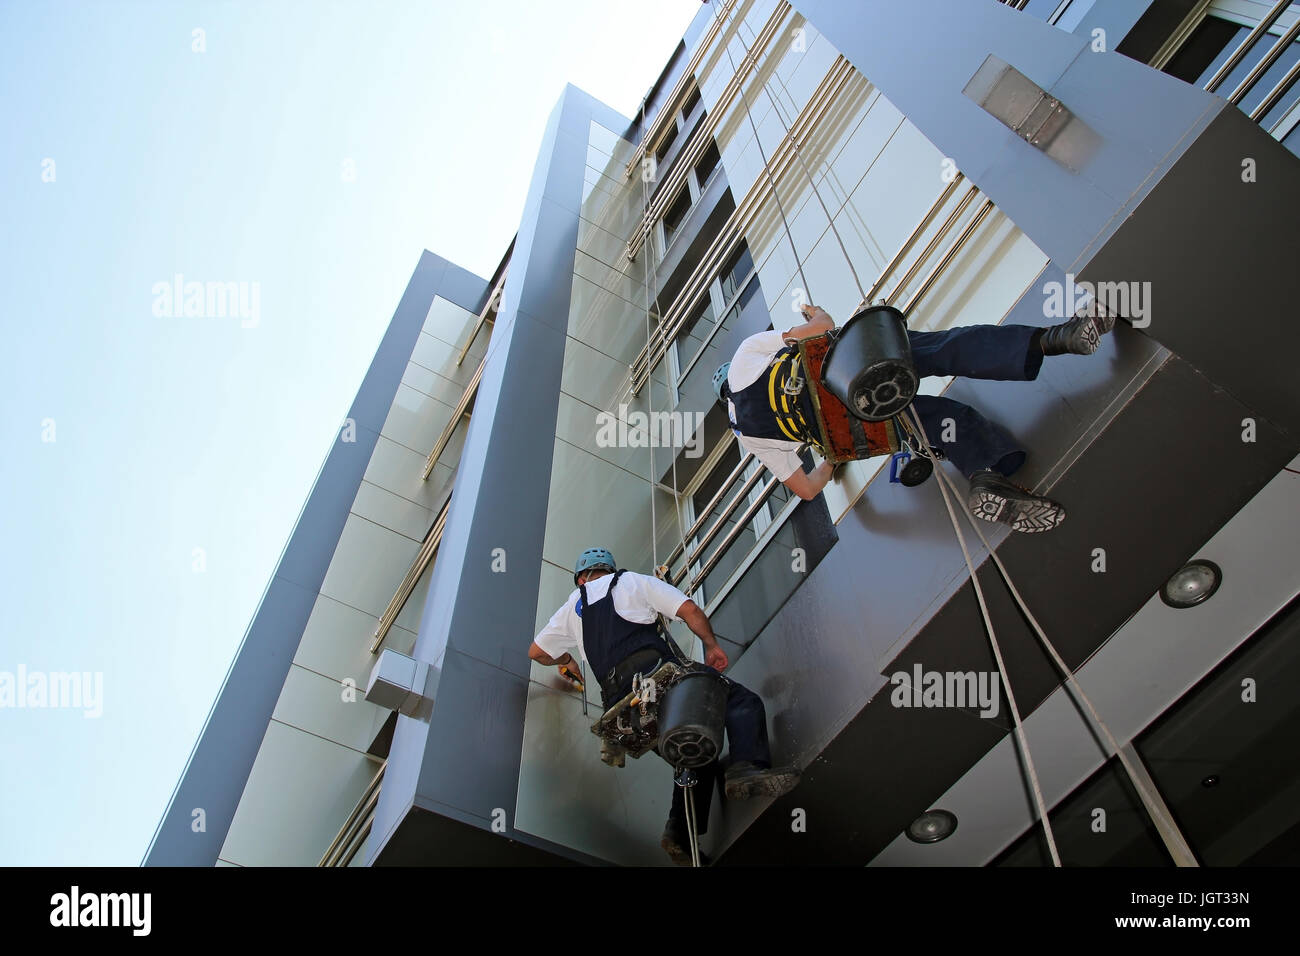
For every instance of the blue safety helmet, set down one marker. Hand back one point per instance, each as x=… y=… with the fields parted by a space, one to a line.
x=720 y=379
x=594 y=558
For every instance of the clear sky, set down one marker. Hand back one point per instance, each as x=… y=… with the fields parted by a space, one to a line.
x=152 y=466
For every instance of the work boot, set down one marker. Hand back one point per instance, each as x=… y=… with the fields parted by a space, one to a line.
x=747 y=779
x=677 y=844
x=1080 y=336
x=994 y=498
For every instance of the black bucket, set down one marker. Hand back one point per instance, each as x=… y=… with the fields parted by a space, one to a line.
x=869 y=365
x=691 y=720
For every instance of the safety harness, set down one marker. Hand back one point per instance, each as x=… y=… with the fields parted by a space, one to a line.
x=778 y=404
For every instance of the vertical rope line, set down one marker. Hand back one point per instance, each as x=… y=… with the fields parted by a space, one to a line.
x=649 y=331
x=1021 y=740
x=1071 y=682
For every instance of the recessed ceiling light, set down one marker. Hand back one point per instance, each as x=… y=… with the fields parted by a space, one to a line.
x=1192 y=584
x=932 y=826
x=1211 y=781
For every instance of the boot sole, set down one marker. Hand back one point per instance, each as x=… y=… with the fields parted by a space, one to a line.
x=762 y=785
x=1026 y=515
x=1092 y=331
x=681 y=853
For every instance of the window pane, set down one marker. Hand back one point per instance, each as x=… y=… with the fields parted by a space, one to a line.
x=707 y=164
x=667 y=143
x=735 y=272
x=692 y=100
x=695 y=334
x=676 y=213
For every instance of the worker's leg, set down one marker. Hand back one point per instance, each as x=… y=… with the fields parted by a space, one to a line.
x=1004 y=353
x=968 y=439
x=746 y=721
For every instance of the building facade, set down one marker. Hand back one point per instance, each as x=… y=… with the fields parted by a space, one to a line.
x=969 y=162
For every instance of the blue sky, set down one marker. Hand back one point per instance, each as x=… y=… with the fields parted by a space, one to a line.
x=131 y=439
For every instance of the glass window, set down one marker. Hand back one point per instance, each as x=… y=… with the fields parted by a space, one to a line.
x=707 y=164
x=757 y=583
x=735 y=272
x=677 y=211
x=670 y=136
x=692 y=100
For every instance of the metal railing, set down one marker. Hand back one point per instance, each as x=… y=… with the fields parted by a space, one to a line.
x=650 y=139
x=732 y=231
x=458 y=413
x=492 y=305
x=702 y=135
x=352 y=837
x=1253 y=77
x=427 y=550
x=1246 y=45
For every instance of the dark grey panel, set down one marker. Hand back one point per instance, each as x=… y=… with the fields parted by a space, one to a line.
x=1237 y=324
x=426 y=838
x=223 y=757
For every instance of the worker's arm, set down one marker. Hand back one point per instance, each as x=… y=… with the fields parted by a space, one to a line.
x=539 y=655
x=698 y=622
x=809 y=484
x=818 y=323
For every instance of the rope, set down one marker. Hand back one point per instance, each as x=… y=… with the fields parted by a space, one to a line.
x=692 y=828
x=1071 y=683
x=1019 y=729
x=650 y=389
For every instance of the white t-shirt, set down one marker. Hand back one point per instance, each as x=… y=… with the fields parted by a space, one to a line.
x=751 y=360
x=638 y=598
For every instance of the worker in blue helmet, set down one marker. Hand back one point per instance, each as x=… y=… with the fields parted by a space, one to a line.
x=612 y=620
x=755 y=381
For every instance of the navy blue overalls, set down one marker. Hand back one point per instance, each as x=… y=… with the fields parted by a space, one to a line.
x=610 y=640
x=1004 y=353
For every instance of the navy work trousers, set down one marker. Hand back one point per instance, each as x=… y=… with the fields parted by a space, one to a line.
x=1003 y=353
x=746 y=721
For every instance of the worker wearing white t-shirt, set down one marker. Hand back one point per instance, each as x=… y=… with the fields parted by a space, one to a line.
x=983 y=450
x=612 y=621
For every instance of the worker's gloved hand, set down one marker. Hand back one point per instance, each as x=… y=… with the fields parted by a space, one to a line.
x=716 y=658
x=571 y=673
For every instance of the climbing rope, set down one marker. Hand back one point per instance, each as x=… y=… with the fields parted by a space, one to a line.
x=1071 y=682
x=1019 y=730
x=692 y=824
